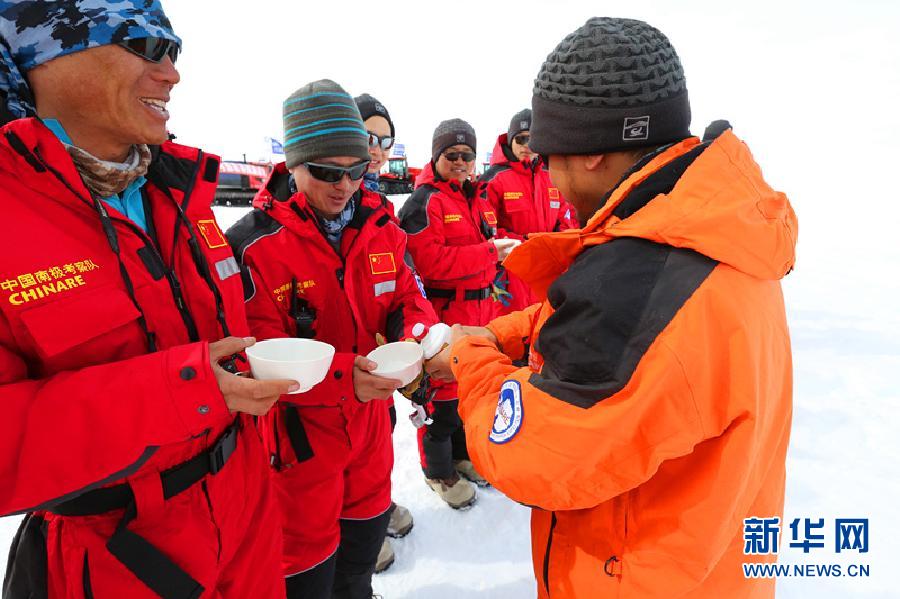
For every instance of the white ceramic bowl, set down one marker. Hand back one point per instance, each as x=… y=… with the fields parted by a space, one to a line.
x=303 y=360
x=401 y=360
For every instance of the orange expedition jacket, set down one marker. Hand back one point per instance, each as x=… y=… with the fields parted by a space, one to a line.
x=655 y=410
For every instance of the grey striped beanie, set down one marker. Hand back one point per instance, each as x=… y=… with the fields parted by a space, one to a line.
x=610 y=85
x=321 y=120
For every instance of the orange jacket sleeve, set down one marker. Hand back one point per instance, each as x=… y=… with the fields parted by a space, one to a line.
x=605 y=399
x=566 y=457
x=513 y=331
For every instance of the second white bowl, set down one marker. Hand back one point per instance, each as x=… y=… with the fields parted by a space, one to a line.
x=401 y=360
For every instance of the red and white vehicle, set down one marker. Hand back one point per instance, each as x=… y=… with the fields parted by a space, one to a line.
x=240 y=181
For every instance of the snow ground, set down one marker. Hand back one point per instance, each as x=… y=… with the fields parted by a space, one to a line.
x=843 y=460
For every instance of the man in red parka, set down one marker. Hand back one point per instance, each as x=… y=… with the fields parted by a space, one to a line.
x=518 y=187
x=323 y=259
x=126 y=442
x=452 y=241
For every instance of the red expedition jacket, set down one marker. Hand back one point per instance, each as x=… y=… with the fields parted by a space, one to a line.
x=526 y=202
x=449 y=229
x=524 y=198
x=88 y=399
x=319 y=438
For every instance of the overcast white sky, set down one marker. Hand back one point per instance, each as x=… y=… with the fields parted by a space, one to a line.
x=813 y=87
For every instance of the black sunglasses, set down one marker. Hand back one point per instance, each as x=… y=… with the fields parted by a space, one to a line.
x=522 y=140
x=153 y=49
x=454 y=156
x=385 y=142
x=330 y=173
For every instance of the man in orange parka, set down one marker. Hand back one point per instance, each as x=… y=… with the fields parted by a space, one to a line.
x=654 y=414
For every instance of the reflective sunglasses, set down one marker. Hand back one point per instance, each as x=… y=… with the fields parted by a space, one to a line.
x=385 y=143
x=522 y=140
x=153 y=49
x=330 y=173
x=454 y=156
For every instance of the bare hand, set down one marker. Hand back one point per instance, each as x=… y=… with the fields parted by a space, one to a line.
x=504 y=247
x=370 y=386
x=459 y=331
x=244 y=394
x=438 y=367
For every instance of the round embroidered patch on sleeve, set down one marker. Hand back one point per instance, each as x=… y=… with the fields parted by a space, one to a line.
x=508 y=418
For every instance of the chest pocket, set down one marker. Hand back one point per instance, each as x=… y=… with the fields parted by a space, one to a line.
x=69 y=322
x=515 y=201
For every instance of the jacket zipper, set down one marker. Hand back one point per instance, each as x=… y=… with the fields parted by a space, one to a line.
x=547 y=554
x=342 y=274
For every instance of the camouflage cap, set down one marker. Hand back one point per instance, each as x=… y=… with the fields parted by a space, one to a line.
x=33 y=32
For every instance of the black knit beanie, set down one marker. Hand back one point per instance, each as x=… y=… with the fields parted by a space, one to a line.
x=520 y=122
x=450 y=133
x=369 y=107
x=610 y=85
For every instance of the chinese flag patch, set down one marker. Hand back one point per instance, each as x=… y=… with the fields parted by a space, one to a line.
x=490 y=217
x=382 y=264
x=554 y=193
x=212 y=234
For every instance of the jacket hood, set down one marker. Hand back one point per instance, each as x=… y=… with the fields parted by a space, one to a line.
x=427 y=176
x=721 y=207
x=502 y=155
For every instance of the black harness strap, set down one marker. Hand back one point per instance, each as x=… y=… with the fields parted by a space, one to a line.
x=297 y=434
x=150 y=565
x=470 y=294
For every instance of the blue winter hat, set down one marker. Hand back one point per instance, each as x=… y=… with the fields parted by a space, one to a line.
x=33 y=32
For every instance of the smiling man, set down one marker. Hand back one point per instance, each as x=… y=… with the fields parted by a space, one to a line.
x=324 y=259
x=451 y=238
x=129 y=444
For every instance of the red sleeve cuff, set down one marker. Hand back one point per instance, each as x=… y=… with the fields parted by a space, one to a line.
x=197 y=401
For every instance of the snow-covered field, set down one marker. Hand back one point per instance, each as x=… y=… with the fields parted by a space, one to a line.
x=843 y=463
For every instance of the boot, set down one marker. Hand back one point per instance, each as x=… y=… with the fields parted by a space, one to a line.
x=458 y=493
x=385 y=557
x=467 y=469
x=401 y=522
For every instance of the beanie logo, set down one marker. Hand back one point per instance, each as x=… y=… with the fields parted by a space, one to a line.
x=523 y=125
x=379 y=108
x=636 y=128
x=460 y=138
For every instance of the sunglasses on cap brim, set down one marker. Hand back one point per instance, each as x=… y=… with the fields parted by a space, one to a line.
x=330 y=173
x=385 y=143
x=154 y=49
x=454 y=156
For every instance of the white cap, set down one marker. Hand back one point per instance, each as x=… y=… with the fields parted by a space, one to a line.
x=438 y=336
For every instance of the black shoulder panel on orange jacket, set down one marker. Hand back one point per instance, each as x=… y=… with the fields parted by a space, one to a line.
x=610 y=306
